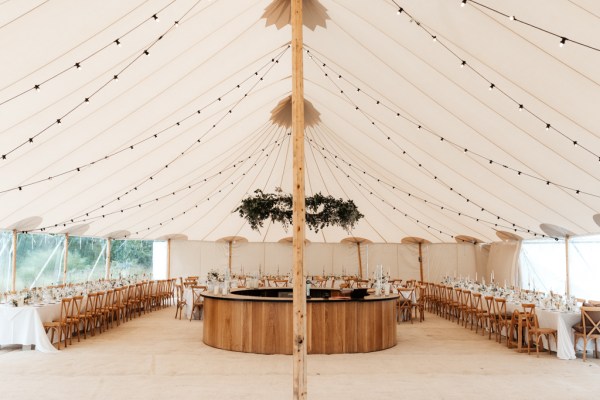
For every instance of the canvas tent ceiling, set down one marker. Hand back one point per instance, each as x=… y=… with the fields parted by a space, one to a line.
x=148 y=119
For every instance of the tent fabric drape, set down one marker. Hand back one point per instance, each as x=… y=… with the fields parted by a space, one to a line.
x=422 y=146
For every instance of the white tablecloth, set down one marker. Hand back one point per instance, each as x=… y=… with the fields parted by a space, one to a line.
x=562 y=322
x=24 y=325
x=189 y=302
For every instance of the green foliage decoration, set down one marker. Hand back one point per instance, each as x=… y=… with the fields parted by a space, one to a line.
x=321 y=211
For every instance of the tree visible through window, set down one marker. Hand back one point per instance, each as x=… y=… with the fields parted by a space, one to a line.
x=131 y=258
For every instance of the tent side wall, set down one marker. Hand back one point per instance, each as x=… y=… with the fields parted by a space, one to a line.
x=399 y=260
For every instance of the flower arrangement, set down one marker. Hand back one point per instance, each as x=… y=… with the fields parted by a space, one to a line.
x=214 y=276
x=321 y=211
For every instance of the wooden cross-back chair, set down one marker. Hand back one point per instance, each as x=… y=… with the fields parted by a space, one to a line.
x=405 y=304
x=197 y=301
x=180 y=301
x=492 y=319
x=278 y=282
x=73 y=318
x=537 y=334
x=421 y=294
x=60 y=326
x=503 y=319
x=589 y=329
x=320 y=282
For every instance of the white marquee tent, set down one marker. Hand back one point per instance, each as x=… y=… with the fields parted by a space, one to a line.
x=167 y=124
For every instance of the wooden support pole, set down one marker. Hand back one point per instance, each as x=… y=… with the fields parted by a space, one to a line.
x=421 y=260
x=65 y=259
x=168 y=258
x=298 y=200
x=14 y=261
x=567 y=282
x=229 y=254
x=108 y=250
x=360 y=269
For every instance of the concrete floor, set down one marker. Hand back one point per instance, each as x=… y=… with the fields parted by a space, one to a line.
x=157 y=357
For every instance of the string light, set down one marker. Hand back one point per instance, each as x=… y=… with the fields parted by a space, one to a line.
x=37 y=88
x=78 y=65
x=109 y=156
x=156 y=18
x=563 y=40
x=399 y=11
x=271 y=65
x=262 y=154
x=116 y=41
x=404 y=152
x=463 y=2
x=544 y=30
x=381 y=181
x=463 y=63
x=505 y=93
x=231 y=187
x=115 y=78
x=492 y=86
x=456 y=145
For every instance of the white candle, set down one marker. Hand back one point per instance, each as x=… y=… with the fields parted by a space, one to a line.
x=475 y=276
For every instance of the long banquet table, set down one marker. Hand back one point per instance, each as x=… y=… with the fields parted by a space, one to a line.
x=562 y=321
x=24 y=325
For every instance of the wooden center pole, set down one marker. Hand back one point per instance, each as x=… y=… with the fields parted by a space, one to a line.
x=14 y=261
x=299 y=300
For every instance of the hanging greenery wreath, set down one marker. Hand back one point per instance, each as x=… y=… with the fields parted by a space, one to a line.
x=321 y=211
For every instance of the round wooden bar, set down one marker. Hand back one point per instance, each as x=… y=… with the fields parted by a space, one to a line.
x=260 y=321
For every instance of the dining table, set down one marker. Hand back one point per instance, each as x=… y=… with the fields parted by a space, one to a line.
x=560 y=320
x=24 y=325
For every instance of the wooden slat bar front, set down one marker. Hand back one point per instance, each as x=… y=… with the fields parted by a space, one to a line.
x=263 y=325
